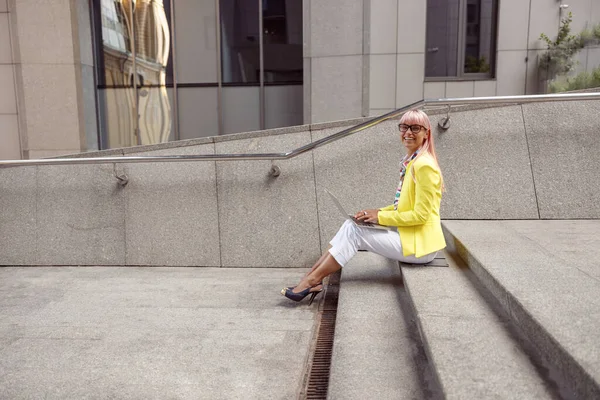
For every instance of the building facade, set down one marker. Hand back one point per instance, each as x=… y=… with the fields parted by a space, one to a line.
x=82 y=75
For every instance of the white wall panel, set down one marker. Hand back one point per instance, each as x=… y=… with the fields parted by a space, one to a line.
x=581 y=10
x=485 y=88
x=383 y=26
x=533 y=85
x=336 y=88
x=8 y=104
x=412 y=25
x=336 y=28
x=595 y=12
x=513 y=21
x=434 y=90
x=382 y=74
x=511 y=72
x=544 y=19
x=5 y=50
x=10 y=148
x=410 y=73
x=45 y=32
x=459 y=89
x=593 y=58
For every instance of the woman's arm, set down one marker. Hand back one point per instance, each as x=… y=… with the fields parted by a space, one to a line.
x=428 y=183
x=387 y=208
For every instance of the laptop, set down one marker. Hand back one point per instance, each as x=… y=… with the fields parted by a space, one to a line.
x=356 y=221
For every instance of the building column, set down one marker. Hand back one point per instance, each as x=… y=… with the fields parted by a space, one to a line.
x=334 y=63
x=10 y=146
x=54 y=76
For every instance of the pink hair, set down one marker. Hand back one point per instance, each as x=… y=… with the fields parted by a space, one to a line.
x=418 y=117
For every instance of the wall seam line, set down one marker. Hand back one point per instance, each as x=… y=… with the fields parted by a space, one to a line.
x=13 y=68
x=37 y=258
x=218 y=213
x=396 y=59
x=125 y=211
x=527 y=56
x=312 y=153
x=535 y=193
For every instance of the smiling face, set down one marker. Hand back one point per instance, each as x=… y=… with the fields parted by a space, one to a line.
x=414 y=130
x=413 y=135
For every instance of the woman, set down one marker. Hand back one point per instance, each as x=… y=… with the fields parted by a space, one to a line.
x=415 y=212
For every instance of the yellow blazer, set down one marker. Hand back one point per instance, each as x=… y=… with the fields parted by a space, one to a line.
x=418 y=213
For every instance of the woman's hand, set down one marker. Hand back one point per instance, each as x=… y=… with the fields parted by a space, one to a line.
x=367 y=216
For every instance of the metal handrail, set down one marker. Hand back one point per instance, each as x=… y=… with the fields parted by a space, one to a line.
x=311 y=146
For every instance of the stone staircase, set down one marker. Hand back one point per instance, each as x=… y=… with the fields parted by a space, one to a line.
x=514 y=315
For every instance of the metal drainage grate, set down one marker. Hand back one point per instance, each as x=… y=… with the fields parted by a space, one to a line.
x=320 y=365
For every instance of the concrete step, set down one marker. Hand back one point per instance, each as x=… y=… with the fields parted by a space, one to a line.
x=472 y=352
x=546 y=277
x=375 y=355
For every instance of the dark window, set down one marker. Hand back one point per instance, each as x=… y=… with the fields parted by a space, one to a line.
x=461 y=37
x=240 y=41
x=282 y=41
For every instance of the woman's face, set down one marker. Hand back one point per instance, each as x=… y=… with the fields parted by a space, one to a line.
x=413 y=135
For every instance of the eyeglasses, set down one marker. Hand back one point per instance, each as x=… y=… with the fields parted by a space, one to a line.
x=413 y=128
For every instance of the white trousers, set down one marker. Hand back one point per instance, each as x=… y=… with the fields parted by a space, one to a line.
x=352 y=238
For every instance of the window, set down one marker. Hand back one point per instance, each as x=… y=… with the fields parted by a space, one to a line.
x=133 y=69
x=282 y=41
x=461 y=38
x=238 y=67
x=281 y=47
x=115 y=48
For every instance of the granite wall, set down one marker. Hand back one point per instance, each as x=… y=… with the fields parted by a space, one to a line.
x=536 y=161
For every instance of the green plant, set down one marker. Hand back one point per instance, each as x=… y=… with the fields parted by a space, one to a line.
x=583 y=80
x=558 y=58
x=590 y=36
x=474 y=64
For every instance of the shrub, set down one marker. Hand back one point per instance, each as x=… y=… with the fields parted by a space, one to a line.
x=583 y=80
x=558 y=59
x=590 y=37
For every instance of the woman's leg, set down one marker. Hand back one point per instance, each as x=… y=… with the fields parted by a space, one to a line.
x=316 y=264
x=346 y=243
x=327 y=266
x=319 y=261
x=387 y=244
x=342 y=248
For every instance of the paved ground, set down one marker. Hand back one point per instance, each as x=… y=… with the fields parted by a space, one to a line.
x=150 y=333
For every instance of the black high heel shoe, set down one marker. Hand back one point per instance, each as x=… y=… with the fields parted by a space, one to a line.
x=292 y=287
x=287 y=292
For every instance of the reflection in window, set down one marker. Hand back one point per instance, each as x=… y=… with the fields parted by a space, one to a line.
x=116 y=43
x=460 y=37
x=129 y=113
x=152 y=47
